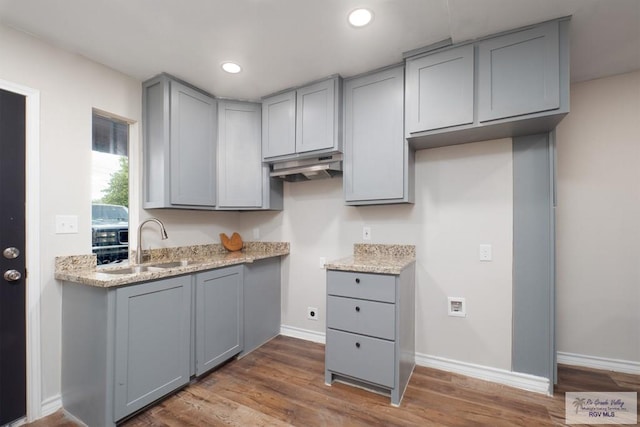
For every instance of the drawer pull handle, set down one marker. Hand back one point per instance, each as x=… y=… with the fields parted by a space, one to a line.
x=357 y=280
x=357 y=309
x=357 y=345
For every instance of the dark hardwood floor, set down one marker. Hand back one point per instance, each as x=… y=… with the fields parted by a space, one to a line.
x=282 y=384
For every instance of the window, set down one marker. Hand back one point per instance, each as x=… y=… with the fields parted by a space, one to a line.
x=110 y=189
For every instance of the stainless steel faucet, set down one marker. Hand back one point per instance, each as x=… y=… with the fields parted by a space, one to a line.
x=163 y=235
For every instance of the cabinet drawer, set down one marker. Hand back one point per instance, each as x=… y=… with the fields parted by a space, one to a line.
x=376 y=319
x=375 y=287
x=365 y=358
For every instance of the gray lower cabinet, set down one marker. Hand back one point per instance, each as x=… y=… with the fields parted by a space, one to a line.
x=378 y=163
x=521 y=87
x=152 y=335
x=124 y=348
x=243 y=180
x=371 y=330
x=219 y=316
x=303 y=122
x=262 y=306
x=179 y=145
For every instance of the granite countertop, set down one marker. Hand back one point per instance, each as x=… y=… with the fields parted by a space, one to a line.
x=82 y=268
x=372 y=258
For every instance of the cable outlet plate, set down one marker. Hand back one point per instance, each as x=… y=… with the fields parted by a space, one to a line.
x=312 y=313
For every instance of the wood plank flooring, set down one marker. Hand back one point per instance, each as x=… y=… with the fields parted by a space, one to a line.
x=282 y=384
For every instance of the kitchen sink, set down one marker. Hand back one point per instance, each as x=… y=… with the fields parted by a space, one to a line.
x=154 y=268
x=172 y=264
x=134 y=269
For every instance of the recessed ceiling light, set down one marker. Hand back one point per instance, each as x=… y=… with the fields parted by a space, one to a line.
x=231 y=67
x=360 y=17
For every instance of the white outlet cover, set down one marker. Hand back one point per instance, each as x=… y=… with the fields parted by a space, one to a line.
x=322 y=262
x=486 y=252
x=366 y=233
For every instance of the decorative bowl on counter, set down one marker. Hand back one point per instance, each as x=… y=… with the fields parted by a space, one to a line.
x=232 y=244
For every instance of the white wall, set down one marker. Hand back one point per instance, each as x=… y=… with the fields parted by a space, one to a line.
x=598 y=220
x=70 y=87
x=463 y=198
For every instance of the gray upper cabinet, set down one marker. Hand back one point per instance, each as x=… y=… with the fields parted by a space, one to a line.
x=521 y=87
x=439 y=90
x=378 y=161
x=152 y=336
x=179 y=140
x=241 y=174
x=519 y=73
x=317 y=116
x=279 y=125
x=304 y=122
x=219 y=316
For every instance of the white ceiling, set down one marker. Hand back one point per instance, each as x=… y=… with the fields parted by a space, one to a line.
x=284 y=43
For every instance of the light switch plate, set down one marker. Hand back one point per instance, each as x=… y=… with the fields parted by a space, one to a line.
x=66 y=224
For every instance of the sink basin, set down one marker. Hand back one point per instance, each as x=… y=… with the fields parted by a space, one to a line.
x=172 y=264
x=134 y=269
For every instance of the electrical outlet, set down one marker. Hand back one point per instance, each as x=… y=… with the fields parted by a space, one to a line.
x=485 y=252
x=312 y=313
x=322 y=262
x=256 y=233
x=456 y=307
x=366 y=233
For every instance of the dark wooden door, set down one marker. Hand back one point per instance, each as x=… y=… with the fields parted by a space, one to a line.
x=12 y=258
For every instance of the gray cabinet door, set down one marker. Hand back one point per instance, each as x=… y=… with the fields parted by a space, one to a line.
x=279 y=125
x=519 y=73
x=151 y=342
x=262 y=310
x=316 y=116
x=219 y=316
x=193 y=147
x=375 y=151
x=439 y=91
x=240 y=168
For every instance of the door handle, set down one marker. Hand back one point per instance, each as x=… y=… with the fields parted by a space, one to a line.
x=12 y=275
x=11 y=253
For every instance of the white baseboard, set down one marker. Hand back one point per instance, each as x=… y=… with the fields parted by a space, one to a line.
x=303 y=334
x=51 y=405
x=594 y=362
x=501 y=376
x=487 y=373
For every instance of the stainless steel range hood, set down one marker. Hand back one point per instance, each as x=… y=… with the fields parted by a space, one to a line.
x=308 y=169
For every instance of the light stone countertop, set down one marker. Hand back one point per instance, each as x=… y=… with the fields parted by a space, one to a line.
x=376 y=258
x=82 y=268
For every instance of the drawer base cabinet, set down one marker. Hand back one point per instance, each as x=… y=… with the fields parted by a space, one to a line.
x=371 y=330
